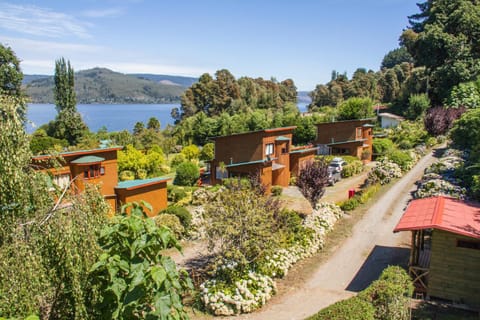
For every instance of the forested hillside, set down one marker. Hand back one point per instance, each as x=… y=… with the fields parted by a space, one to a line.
x=100 y=85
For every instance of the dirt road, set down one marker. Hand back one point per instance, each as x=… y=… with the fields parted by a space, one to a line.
x=357 y=262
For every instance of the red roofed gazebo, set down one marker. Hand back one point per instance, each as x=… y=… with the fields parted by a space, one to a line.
x=445 y=252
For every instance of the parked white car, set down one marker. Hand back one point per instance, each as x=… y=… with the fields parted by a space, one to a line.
x=337 y=164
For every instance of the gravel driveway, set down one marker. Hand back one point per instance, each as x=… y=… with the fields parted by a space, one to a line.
x=357 y=262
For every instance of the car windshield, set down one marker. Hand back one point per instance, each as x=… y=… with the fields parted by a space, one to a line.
x=334 y=164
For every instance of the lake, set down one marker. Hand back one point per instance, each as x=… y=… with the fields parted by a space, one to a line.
x=114 y=117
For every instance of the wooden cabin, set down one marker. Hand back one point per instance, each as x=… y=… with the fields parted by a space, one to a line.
x=445 y=249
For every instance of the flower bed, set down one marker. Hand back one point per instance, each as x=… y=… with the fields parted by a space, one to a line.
x=439 y=177
x=384 y=172
x=253 y=290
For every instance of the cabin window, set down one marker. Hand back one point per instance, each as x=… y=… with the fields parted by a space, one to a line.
x=468 y=244
x=102 y=170
x=340 y=151
x=284 y=150
x=221 y=173
x=358 y=133
x=93 y=171
x=269 y=149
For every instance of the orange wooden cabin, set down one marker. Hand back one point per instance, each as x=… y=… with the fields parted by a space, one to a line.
x=99 y=167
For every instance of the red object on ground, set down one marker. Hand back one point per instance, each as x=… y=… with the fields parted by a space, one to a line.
x=351 y=193
x=443 y=213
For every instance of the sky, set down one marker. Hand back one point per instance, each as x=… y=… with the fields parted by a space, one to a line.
x=303 y=40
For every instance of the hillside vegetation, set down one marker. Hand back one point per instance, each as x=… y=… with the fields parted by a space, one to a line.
x=100 y=85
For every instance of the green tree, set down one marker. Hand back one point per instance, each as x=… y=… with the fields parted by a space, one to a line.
x=153 y=124
x=208 y=152
x=10 y=73
x=465 y=133
x=138 y=128
x=191 y=152
x=68 y=124
x=356 y=108
x=187 y=174
x=465 y=94
x=417 y=105
x=239 y=230
x=395 y=57
x=442 y=38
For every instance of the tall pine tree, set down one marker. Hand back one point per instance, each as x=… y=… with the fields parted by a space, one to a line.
x=68 y=124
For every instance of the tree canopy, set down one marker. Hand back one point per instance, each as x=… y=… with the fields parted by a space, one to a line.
x=10 y=73
x=443 y=37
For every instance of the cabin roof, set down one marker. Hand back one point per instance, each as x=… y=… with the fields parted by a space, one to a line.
x=88 y=160
x=134 y=184
x=443 y=213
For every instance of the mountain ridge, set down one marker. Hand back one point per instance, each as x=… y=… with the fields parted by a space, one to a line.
x=102 y=85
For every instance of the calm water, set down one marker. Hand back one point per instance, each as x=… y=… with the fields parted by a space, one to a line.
x=115 y=117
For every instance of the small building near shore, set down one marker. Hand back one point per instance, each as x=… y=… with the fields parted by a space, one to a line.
x=445 y=249
x=76 y=169
x=389 y=120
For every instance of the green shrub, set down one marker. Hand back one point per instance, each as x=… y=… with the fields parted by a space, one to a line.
x=175 y=194
x=350 y=204
x=276 y=190
x=431 y=141
x=381 y=146
x=126 y=175
x=181 y=212
x=352 y=168
x=178 y=159
x=243 y=183
x=172 y=222
x=187 y=174
x=390 y=294
x=402 y=158
x=368 y=193
x=141 y=174
x=349 y=309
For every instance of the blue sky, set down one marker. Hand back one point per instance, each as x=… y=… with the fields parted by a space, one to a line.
x=303 y=40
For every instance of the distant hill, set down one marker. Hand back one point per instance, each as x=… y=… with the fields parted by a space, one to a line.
x=165 y=79
x=27 y=78
x=100 y=85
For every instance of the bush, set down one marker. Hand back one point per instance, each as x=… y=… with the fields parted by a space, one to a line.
x=439 y=120
x=187 y=174
x=390 y=294
x=417 y=104
x=126 y=175
x=350 y=204
x=349 y=309
x=312 y=180
x=276 y=190
x=382 y=146
x=172 y=222
x=401 y=158
x=352 y=168
x=242 y=183
x=175 y=194
x=178 y=159
x=181 y=212
x=430 y=142
x=367 y=193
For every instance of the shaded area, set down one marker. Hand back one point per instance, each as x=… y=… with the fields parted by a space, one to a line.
x=379 y=258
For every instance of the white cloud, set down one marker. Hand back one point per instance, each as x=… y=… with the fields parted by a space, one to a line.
x=40 y=46
x=38 y=21
x=103 y=13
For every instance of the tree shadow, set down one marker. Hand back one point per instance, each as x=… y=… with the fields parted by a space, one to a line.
x=379 y=258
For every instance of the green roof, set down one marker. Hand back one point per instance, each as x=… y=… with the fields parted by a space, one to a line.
x=303 y=150
x=244 y=163
x=344 y=142
x=282 y=138
x=88 y=159
x=138 y=183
